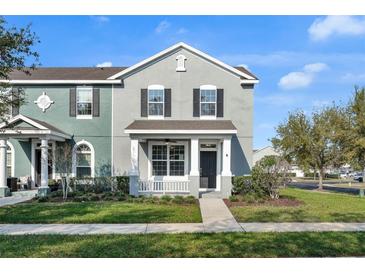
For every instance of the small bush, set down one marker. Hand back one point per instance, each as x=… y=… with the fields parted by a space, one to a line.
x=178 y=199
x=166 y=198
x=43 y=199
x=190 y=199
x=241 y=184
x=94 y=197
x=233 y=198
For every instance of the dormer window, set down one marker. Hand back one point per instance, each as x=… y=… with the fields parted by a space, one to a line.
x=156 y=94
x=208 y=101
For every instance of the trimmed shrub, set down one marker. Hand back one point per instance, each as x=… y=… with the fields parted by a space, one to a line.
x=190 y=199
x=178 y=199
x=43 y=199
x=241 y=184
x=166 y=198
x=233 y=198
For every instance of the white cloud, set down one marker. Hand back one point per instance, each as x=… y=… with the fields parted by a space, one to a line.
x=351 y=77
x=101 y=19
x=182 y=31
x=105 y=64
x=320 y=103
x=162 y=26
x=300 y=79
x=323 y=28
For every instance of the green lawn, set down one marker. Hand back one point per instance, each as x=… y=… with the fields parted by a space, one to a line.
x=317 y=207
x=99 y=212
x=328 y=244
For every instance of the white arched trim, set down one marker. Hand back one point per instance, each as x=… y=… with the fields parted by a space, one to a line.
x=83 y=142
x=208 y=87
x=159 y=87
x=12 y=151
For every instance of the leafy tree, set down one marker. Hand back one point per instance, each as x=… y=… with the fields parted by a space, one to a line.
x=316 y=141
x=269 y=174
x=15 y=50
x=355 y=146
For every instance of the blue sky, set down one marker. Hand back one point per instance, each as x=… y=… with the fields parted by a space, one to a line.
x=303 y=62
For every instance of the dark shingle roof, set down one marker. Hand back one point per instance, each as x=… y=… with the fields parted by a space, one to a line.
x=76 y=73
x=70 y=73
x=181 y=125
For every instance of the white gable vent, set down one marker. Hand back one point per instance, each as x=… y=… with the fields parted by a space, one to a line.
x=180 y=63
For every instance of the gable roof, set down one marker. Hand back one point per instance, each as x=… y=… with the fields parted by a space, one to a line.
x=242 y=72
x=66 y=73
x=35 y=127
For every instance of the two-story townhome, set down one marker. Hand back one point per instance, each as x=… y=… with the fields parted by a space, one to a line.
x=179 y=122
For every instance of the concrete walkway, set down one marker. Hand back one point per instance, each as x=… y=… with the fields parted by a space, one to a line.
x=92 y=229
x=217 y=217
x=12 y=200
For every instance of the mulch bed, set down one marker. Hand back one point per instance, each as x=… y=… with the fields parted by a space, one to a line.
x=279 y=202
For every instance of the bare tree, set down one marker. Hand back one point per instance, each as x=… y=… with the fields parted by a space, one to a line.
x=63 y=165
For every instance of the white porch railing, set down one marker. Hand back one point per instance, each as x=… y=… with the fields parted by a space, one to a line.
x=164 y=186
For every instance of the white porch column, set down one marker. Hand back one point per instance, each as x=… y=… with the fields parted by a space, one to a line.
x=226 y=155
x=134 y=171
x=194 y=156
x=134 y=157
x=4 y=190
x=44 y=189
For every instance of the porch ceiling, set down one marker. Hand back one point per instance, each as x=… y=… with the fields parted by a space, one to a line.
x=181 y=127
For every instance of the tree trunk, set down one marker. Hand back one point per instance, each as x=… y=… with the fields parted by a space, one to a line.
x=320 y=182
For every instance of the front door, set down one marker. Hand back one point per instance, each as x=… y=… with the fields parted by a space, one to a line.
x=208 y=169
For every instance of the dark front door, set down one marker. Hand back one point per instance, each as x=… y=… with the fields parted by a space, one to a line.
x=208 y=169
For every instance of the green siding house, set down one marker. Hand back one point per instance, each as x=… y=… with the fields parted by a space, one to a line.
x=179 y=122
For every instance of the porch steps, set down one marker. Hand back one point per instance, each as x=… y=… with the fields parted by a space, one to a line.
x=210 y=195
x=25 y=194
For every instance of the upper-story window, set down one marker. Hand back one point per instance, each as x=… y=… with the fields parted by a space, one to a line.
x=156 y=94
x=208 y=101
x=84 y=102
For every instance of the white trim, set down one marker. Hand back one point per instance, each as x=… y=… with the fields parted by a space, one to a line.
x=187 y=47
x=217 y=149
x=207 y=117
x=180 y=131
x=85 y=116
x=83 y=142
x=168 y=178
x=23 y=118
x=12 y=152
x=159 y=88
x=34 y=147
x=246 y=81
x=61 y=81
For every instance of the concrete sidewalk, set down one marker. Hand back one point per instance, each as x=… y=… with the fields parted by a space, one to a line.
x=92 y=229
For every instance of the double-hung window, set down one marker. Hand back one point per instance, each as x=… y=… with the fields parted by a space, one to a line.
x=156 y=94
x=84 y=102
x=168 y=160
x=208 y=101
x=9 y=161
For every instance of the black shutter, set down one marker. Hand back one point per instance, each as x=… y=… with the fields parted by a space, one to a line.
x=143 y=102
x=15 y=102
x=167 y=102
x=196 y=102
x=220 y=102
x=72 y=102
x=96 y=102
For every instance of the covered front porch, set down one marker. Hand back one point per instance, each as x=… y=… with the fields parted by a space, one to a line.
x=180 y=157
x=42 y=139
